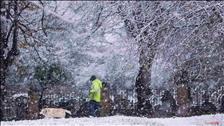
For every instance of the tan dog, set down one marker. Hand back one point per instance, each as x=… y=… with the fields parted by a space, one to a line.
x=54 y=112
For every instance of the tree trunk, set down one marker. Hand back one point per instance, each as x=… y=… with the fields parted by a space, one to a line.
x=142 y=84
x=146 y=48
x=2 y=66
x=3 y=89
x=33 y=104
x=6 y=60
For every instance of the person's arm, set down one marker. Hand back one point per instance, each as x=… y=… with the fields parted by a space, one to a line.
x=91 y=92
x=93 y=88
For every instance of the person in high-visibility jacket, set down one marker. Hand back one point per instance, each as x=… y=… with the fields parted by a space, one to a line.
x=95 y=95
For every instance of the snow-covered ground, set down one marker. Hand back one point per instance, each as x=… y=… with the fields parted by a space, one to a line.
x=205 y=120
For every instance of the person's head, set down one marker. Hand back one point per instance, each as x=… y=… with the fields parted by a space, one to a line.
x=104 y=84
x=92 y=78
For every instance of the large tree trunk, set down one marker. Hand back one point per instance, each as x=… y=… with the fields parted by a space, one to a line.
x=147 y=54
x=142 y=84
x=7 y=59
x=2 y=67
x=143 y=91
x=3 y=89
x=2 y=82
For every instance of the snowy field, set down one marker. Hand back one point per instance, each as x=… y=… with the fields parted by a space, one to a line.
x=206 y=120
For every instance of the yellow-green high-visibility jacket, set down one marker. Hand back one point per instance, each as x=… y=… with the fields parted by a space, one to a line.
x=95 y=90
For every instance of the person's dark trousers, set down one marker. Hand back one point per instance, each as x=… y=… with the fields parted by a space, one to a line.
x=94 y=108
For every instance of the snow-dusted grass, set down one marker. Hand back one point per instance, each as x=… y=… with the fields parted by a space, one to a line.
x=205 y=120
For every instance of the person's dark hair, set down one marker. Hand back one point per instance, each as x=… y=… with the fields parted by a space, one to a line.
x=93 y=77
x=104 y=84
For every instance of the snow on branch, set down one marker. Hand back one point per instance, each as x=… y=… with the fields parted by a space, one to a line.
x=52 y=12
